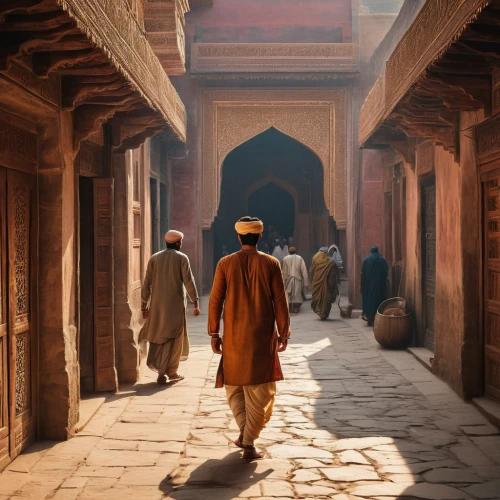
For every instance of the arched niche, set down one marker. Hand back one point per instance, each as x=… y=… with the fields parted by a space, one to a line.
x=315 y=118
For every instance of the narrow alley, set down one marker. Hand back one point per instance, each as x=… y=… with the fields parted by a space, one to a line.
x=351 y=421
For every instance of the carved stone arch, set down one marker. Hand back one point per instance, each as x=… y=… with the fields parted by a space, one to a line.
x=260 y=128
x=315 y=118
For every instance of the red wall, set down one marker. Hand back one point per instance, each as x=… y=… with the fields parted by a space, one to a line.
x=372 y=226
x=284 y=21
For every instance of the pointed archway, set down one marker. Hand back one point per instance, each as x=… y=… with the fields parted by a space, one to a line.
x=286 y=178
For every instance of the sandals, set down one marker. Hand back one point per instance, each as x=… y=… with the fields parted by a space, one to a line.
x=175 y=378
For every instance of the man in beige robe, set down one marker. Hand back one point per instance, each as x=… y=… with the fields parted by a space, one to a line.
x=295 y=278
x=248 y=287
x=168 y=281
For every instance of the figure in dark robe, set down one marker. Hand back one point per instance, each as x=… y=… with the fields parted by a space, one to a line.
x=374 y=272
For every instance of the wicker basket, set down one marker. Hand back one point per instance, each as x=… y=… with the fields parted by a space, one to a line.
x=393 y=332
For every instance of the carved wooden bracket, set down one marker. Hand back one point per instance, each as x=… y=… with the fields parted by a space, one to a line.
x=93 y=85
x=132 y=128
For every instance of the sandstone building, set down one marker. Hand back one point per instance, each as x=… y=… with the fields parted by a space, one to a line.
x=429 y=129
x=83 y=86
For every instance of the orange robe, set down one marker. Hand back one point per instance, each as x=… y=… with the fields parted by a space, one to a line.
x=248 y=287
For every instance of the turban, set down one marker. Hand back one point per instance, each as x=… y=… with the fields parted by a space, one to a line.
x=292 y=249
x=173 y=236
x=324 y=249
x=253 y=227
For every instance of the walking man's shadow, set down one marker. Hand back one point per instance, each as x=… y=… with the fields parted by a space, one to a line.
x=218 y=479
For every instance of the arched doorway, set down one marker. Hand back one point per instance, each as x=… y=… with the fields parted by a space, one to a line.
x=275 y=206
x=277 y=178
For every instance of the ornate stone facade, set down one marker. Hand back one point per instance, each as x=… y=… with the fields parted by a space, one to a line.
x=273 y=57
x=316 y=118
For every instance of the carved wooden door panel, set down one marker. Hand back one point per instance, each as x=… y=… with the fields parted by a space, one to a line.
x=492 y=286
x=429 y=233
x=105 y=372
x=4 y=377
x=21 y=236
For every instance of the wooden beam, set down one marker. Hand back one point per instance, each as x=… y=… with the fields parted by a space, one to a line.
x=45 y=63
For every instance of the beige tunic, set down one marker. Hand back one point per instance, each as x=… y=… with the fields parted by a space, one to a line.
x=295 y=277
x=168 y=278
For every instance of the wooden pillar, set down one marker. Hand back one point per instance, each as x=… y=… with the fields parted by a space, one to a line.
x=58 y=361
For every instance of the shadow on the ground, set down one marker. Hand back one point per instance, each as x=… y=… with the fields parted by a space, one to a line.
x=216 y=479
x=354 y=392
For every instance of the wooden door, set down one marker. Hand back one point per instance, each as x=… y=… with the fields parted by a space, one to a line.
x=429 y=262
x=4 y=350
x=21 y=241
x=491 y=228
x=105 y=372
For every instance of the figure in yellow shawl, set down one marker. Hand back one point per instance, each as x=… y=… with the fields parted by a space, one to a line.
x=168 y=280
x=249 y=287
x=325 y=279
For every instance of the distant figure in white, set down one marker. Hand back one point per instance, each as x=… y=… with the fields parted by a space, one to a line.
x=334 y=253
x=295 y=278
x=280 y=251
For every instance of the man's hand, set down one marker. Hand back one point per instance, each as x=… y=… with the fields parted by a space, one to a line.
x=145 y=314
x=282 y=344
x=217 y=345
x=196 y=311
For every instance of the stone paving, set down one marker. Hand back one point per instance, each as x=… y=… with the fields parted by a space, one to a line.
x=352 y=421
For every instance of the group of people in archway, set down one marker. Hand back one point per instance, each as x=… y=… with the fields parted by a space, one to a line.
x=323 y=282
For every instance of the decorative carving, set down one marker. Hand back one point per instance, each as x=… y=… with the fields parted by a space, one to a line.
x=116 y=34
x=21 y=242
x=422 y=100
x=273 y=57
x=372 y=111
x=46 y=88
x=425 y=158
x=316 y=118
x=22 y=373
x=17 y=142
x=488 y=141
x=493 y=248
x=165 y=24
x=90 y=159
x=435 y=27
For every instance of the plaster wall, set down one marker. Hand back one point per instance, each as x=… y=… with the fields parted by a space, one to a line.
x=458 y=340
x=372 y=232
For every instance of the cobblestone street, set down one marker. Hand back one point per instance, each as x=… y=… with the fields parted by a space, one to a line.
x=351 y=421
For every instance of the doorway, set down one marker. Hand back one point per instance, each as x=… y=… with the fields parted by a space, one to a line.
x=276 y=178
x=491 y=294
x=429 y=260
x=96 y=351
x=86 y=344
x=18 y=344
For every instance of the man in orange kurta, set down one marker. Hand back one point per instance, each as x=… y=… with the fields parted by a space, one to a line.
x=248 y=287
